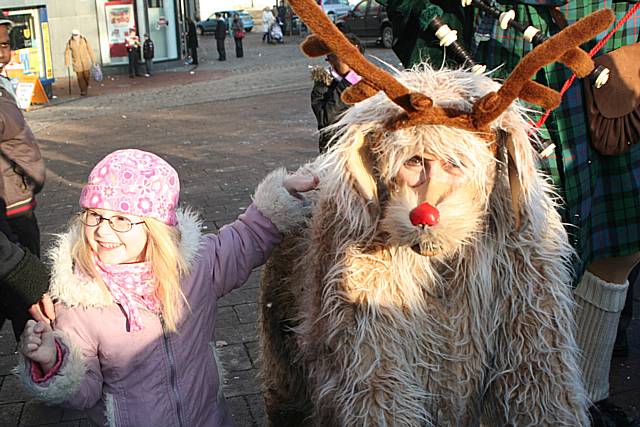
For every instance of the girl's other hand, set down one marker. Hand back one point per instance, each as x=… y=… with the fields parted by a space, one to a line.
x=298 y=183
x=37 y=343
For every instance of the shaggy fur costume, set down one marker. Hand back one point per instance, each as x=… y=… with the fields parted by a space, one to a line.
x=360 y=329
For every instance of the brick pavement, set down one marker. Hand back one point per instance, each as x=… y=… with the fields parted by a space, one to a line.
x=222 y=133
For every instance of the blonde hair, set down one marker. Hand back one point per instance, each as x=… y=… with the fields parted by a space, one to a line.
x=162 y=251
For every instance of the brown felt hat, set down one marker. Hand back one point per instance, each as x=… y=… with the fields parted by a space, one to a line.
x=621 y=94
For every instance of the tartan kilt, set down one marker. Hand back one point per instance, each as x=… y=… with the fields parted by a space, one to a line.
x=601 y=193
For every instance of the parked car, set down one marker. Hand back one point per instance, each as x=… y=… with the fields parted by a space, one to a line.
x=335 y=8
x=368 y=20
x=209 y=25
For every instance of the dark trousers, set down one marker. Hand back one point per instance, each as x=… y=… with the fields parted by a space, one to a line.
x=83 y=80
x=239 y=51
x=133 y=63
x=148 y=63
x=222 y=54
x=25 y=228
x=194 y=55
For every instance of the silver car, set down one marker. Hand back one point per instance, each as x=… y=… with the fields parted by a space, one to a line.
x=335 y=8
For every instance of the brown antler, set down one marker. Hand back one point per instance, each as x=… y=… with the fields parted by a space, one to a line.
x=562 y=47
x=419 y=108
x=328 y=38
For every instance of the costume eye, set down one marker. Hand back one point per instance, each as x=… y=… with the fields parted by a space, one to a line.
x=414 y=161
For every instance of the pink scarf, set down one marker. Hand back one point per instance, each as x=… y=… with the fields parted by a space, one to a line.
x=133 y=286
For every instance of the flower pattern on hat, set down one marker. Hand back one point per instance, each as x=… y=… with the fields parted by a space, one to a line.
x=134 y=182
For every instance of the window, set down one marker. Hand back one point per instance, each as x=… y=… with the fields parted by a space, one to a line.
x=361 y=8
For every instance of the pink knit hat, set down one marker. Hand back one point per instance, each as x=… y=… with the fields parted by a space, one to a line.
x=134 y=182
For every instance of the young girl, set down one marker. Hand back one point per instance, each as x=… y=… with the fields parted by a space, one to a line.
x=136 y=286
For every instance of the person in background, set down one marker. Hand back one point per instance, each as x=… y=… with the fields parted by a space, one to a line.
x=22 y=170
x=267 y=20
x=148 y=53
x=192 y=41
x=137 y=291
x=237 y=26
x=82 y=58
x=221 y=34
x=328 y=86
x=132 y=43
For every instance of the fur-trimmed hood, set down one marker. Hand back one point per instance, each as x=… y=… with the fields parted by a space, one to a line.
x=74 y=291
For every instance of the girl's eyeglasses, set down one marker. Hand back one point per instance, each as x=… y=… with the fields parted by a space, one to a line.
x=118 y=223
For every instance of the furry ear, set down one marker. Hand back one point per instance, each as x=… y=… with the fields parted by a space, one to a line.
x=312 y=46
x=360 y=165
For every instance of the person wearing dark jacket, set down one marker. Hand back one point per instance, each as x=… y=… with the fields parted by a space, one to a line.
x=328 y=86
x=221 y=34
x=192 y=41
x=148 y=53
x=237 y=26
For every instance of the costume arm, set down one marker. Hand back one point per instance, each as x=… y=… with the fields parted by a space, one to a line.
x=246 y=243
x=77 y=380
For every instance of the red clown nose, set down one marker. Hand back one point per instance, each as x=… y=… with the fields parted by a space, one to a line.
x=425 y=214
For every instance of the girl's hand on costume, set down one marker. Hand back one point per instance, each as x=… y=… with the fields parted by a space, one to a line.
x=37 y=343
x=298 y=183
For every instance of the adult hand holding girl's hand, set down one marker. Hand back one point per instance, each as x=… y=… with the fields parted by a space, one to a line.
x=37 y=343
x=43 y=309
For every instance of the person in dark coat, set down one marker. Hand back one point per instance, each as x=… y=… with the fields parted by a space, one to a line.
x=328 y=86
x=221 y=34
x=237 y=26
x=192 y=41
x=148 y=53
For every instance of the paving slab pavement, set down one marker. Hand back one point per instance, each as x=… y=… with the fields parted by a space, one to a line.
x=223 y=133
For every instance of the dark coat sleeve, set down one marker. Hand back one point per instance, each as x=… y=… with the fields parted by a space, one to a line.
x=326 y=103
x=23 y=279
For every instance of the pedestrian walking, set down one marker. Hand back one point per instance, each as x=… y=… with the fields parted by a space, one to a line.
x=267 y=21
x=80 y=54
x=221 y=35
x=136 y=285
x=22 y=170
x=148 y=53
x=237 y=26
x=132 y=43
x=192 y=41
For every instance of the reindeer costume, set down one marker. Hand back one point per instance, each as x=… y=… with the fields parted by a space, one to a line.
x=431 y=286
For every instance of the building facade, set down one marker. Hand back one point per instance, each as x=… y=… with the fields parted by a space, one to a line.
x=43 y=29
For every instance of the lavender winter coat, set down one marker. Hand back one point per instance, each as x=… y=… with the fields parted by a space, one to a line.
x=151 y=377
